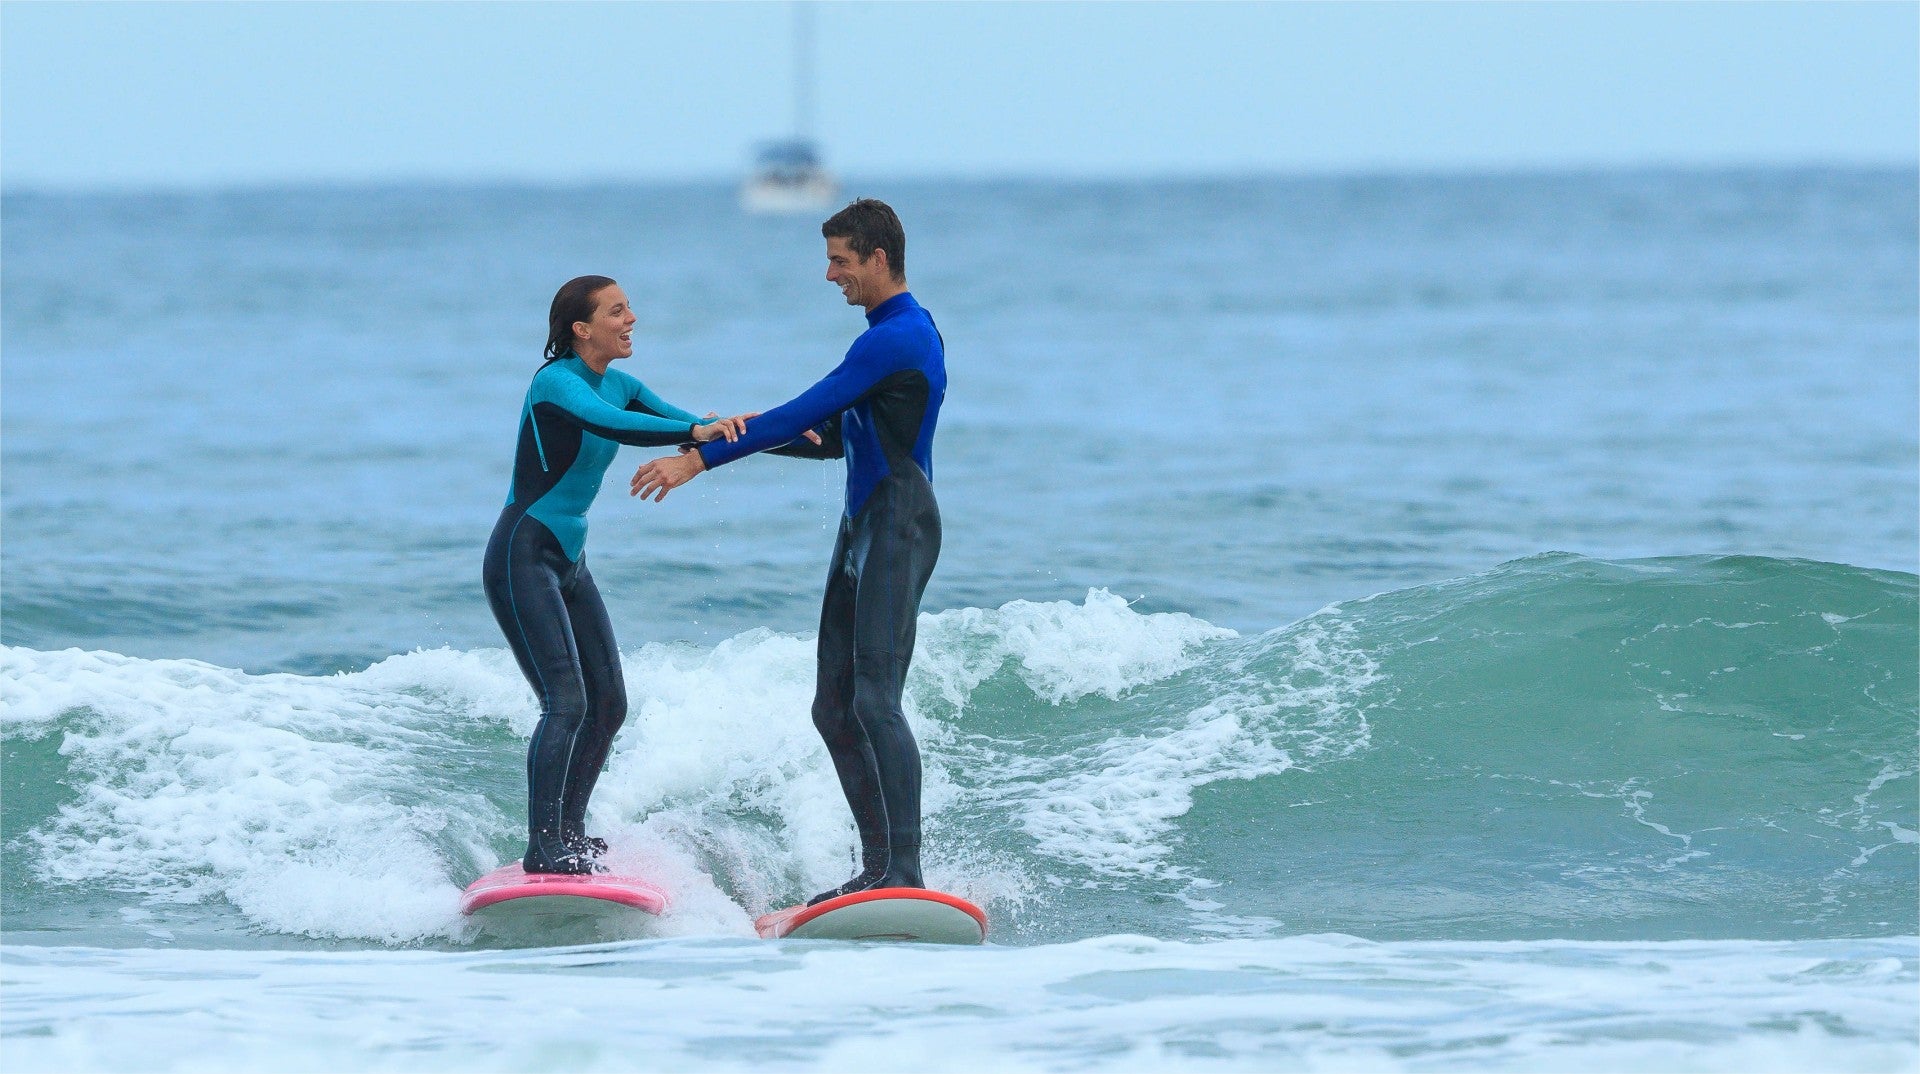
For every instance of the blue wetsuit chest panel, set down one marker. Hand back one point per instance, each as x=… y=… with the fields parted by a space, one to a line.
x=879 y=406
x=571 y=427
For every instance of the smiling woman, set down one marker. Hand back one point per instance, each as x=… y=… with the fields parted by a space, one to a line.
x=577 y=412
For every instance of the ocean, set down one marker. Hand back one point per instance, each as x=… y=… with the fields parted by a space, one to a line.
x=1387 y=622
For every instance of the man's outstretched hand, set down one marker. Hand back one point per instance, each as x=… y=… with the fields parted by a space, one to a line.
x=653 y=480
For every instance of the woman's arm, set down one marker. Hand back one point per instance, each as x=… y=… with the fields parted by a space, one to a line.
x=570 y=395
x=647 y=401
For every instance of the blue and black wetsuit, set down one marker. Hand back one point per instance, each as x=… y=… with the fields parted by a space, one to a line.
x=538 y=584
x=878 y=408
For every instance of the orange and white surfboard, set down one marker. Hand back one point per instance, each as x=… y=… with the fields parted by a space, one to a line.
x=914 y=915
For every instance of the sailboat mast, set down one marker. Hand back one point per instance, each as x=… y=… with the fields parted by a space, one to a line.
x=803 y=70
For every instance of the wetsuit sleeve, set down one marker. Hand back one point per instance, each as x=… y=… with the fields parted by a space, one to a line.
x=646 y=402
x=577 y=401
x=811 y=409
x=831 y=446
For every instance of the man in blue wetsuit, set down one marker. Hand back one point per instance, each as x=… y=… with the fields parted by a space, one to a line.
x=878 y=409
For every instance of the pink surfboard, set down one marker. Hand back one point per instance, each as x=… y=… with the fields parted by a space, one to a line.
x=911 y=914
x=513 y=891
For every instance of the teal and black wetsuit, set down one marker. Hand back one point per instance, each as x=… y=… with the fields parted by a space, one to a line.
x=878 y=408
x=541 y=592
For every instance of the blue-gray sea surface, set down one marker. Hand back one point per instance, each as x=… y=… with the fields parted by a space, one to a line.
x=1385 y=622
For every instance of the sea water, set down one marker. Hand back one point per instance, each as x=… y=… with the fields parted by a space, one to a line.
x=1384 y=623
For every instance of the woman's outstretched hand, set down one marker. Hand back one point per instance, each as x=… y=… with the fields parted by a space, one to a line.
x=731 y=428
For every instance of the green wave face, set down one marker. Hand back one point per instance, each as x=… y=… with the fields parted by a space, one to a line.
x=1560 y=747
x=1563 y=747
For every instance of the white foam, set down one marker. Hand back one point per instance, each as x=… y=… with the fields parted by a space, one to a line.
x=1292 y=697
x=1114 y=1003
x=297 y=799
x=1062 y=651
x=357 y=805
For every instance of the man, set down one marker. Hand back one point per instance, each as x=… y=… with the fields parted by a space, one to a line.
x=878 y=408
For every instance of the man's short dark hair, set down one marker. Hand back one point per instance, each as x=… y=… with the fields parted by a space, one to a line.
x=869 y=224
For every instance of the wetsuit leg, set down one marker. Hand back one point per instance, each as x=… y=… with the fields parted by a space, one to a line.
x=524 y=574
x=891 y=548
x=606 y=691
x=899 y=560
x=846 y=741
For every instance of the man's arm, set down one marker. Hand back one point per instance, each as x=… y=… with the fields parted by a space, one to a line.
x=653 y=480
x=846 y=385
x=812 y=409
x=821 y=442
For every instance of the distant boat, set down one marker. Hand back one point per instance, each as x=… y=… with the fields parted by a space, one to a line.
x=788 y=176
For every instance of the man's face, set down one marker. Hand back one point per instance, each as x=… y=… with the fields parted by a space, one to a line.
x=860 y=281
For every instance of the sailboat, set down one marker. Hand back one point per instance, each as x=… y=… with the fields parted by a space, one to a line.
x=788 y=175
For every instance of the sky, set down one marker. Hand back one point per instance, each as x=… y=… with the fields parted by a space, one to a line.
x=164 y=95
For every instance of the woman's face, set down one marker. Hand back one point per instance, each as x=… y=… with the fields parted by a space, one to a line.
x=609 y=334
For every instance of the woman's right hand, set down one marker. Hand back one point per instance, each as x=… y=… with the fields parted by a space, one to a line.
x=731 y=428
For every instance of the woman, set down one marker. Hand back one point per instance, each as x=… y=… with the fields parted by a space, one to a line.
x=577 y=411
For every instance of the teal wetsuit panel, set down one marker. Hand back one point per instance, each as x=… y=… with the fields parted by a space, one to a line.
x=570 y=429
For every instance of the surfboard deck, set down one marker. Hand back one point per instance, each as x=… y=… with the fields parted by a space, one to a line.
x=914 y=915
x=511 y=891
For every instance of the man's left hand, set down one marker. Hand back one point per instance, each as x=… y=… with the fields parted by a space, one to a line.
x=653 y=480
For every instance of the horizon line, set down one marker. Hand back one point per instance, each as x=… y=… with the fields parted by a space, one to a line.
x=11 y=187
